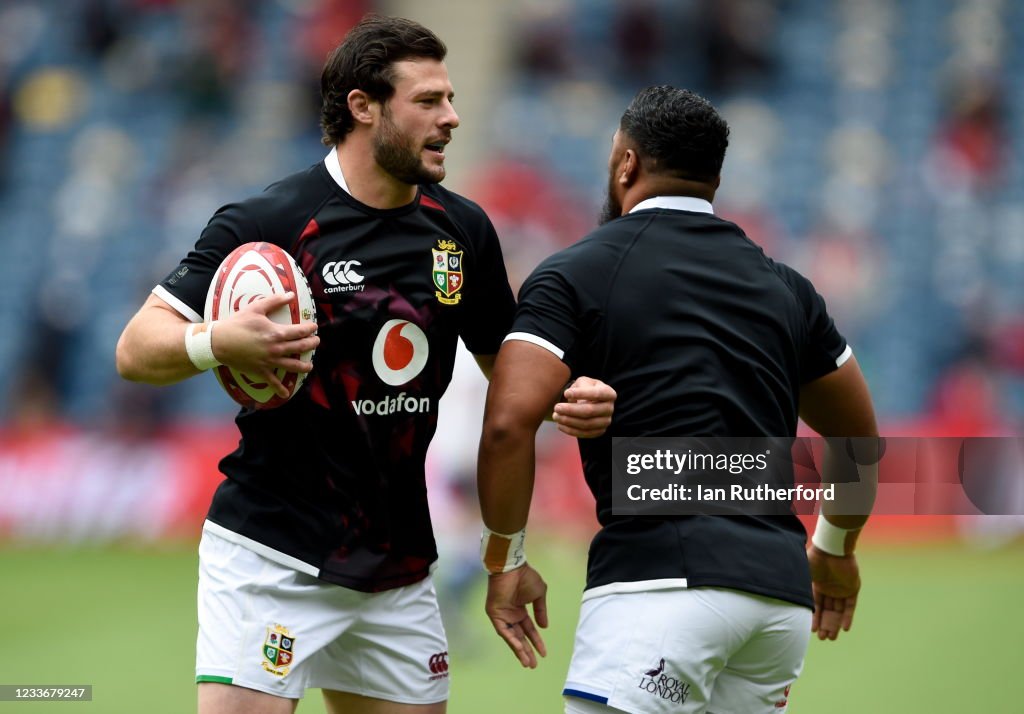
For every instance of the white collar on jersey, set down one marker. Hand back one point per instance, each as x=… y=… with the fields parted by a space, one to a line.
x=334 y=169
x=675 y=203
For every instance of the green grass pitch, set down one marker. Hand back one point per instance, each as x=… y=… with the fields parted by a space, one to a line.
x=939 y=629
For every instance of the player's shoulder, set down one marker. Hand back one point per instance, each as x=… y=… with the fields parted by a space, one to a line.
x=615 y=231
x=280 y=209
x=798 y=285
x=789 y=275
x=462 y=210
x=609 y=241
x=302 y=191
x=592 y=258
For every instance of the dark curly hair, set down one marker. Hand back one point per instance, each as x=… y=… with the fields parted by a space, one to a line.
x=679 y=130
x=365 y=60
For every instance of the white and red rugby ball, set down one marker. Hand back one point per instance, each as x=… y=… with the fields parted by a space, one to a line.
x=252 y=272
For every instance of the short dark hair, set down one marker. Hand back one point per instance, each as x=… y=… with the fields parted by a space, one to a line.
x=679 y=130
x=365 y=60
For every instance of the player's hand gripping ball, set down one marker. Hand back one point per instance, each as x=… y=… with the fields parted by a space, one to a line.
x=252 y=272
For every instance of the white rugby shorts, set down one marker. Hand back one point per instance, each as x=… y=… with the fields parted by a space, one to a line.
x=268 y=627
x=690 y=651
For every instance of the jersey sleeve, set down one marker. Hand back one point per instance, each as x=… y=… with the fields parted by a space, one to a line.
x=825 y=349
x=549 y=313
x=186 y=287
x=489 y=304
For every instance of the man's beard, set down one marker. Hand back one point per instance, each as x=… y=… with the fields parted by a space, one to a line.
x=394 y=153
x=612 y=209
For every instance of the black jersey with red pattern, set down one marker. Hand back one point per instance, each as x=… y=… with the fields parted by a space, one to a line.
x=335 y=477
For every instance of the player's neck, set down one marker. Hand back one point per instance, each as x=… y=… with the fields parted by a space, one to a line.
x=663 y=186
x=367 y=181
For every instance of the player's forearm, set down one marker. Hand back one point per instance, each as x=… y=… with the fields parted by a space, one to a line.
x=838 y=406
x=505 y=474
x=525 y=381
x=852 y=465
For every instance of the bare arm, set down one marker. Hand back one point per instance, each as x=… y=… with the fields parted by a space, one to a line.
x=588 y=407
x=839 y=405
x=152 y=347
x=527 y=379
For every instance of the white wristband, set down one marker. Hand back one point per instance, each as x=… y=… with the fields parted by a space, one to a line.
x=199 y=345
x=832 y=539
x=501 y=553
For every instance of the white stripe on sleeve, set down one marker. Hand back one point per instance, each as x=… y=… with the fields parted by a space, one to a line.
x=539 y=341
x=161 y=292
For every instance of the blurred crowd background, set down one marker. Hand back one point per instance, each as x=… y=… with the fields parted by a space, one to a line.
x=877 y=146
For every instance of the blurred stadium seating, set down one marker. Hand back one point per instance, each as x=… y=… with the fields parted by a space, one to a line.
x=877 y=145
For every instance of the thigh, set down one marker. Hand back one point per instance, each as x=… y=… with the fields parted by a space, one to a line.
x=228 y=699
x=575 y=705
x=349 y=703
x=651 y=652
x=758 y=675
x=395 y=651
x=262 y=625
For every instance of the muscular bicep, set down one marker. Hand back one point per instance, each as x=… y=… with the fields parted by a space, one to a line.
x=839 y=404
x=527 y=380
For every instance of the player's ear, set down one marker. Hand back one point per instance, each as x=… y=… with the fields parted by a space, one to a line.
x=629 y=168
x=359 y=103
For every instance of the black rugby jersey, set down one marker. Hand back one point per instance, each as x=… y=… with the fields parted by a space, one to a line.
x=700 y=334
x=332 y=482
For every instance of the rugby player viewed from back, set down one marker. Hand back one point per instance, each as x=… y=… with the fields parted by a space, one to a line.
x=701 y=335
x=316 y=554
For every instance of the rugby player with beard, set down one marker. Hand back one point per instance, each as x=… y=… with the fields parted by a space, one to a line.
x=317 y=552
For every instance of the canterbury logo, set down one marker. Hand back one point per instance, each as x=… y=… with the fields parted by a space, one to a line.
x=341 y=272
x=438 y=663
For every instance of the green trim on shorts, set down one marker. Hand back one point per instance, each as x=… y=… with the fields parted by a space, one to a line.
x=200 y=678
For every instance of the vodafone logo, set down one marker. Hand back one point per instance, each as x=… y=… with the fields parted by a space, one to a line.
x=399 y=352
x=341 y=274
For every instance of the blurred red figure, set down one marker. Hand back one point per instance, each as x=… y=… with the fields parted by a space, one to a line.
x=969 y=147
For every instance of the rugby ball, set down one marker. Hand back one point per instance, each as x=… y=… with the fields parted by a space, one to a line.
x=252 y=272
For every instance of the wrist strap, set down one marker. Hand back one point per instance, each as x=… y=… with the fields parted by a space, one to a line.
x=834 y=540
x=199 y=345
x=501 y=553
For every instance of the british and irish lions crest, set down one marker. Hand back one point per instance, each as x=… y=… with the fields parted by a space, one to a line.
x=278 y=650
x=447 y=272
